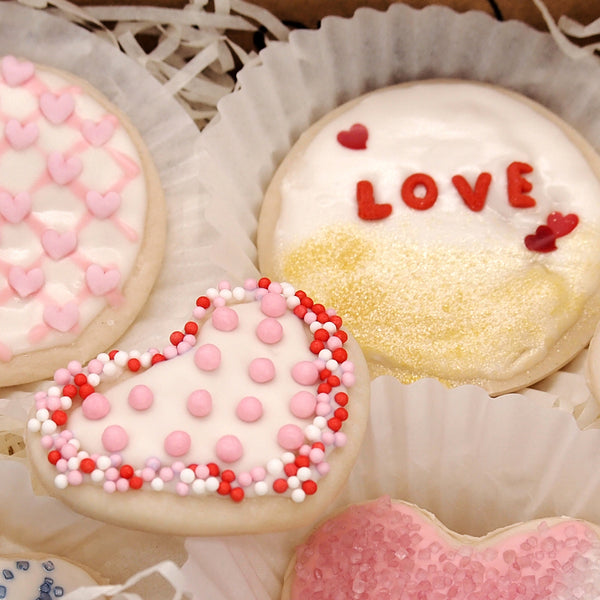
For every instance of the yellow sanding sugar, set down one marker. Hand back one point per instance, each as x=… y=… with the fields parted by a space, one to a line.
x=455 y=313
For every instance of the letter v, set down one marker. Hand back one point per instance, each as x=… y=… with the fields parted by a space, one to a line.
x=473 y=198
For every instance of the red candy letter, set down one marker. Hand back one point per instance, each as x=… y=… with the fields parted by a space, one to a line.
x=419 y=202
x=518 y=186
x=368 y=210
x=473 y=198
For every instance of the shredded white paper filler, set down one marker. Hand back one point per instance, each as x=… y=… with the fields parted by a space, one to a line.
x=193 y=53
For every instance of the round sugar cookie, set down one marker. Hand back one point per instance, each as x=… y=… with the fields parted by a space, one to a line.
x=455 y=224
x=392 y=549
x=24 y=576
x=82 y=221
x=248 y=420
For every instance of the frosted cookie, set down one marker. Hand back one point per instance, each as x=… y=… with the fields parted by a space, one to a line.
x=248 y=420
x=384 y=549
x=40 y=577
x=82 y=221
x=455 y=225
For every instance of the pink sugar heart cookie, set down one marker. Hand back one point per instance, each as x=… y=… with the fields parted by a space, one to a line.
x=77 y=269
x=235 y=432
x=385 y=549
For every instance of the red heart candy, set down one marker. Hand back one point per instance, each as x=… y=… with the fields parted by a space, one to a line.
x=543 y=240
x=354 y=138
x=562 y=224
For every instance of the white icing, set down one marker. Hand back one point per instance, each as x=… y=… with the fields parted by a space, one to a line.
x=22 y=578
x=116 y=165
x=442 y=129
x=173 y=381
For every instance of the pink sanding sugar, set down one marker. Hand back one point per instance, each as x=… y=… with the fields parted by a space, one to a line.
x=390 y=551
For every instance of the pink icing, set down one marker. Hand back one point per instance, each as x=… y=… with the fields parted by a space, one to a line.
x=391 y=550
x=95 y=406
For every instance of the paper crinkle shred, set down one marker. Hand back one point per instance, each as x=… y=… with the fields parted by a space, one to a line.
x=192 y=51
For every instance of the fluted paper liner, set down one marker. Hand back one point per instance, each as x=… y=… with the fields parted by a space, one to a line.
x=477 y=463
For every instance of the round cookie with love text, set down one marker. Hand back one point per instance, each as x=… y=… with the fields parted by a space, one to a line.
x=392 y=549
x=248 y=420
x=82 y=221
x=455 y=224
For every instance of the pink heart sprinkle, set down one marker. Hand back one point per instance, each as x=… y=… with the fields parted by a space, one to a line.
x=101 y=282
x=97 y=134
x=58 y=245
x=63 y=170
x=102 y=206
x=15 y=208
x=16 y=72
x=57 y=108
x=61 y=318
x=20 y=136
x=25 y=283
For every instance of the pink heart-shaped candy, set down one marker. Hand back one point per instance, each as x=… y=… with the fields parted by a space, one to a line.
x=61 y=318
x=57 y=108
x=102 y=206
x=16 y=72
x=63 y=170
x=25 y=283
x=101 y=282
x=98 y=133
x=15 y=208
x=58 y=245
x=20 y=136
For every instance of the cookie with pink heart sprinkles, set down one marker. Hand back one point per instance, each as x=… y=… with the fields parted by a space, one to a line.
x=249 y=419
x=391 y=549
x=82 y=221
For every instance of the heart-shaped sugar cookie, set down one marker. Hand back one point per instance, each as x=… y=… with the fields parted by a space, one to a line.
x=256 y=408
x=384 y=549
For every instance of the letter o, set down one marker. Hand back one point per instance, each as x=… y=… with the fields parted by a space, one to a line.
x=419 y=202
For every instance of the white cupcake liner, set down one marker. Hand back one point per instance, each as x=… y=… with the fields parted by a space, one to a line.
x=477 y=463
